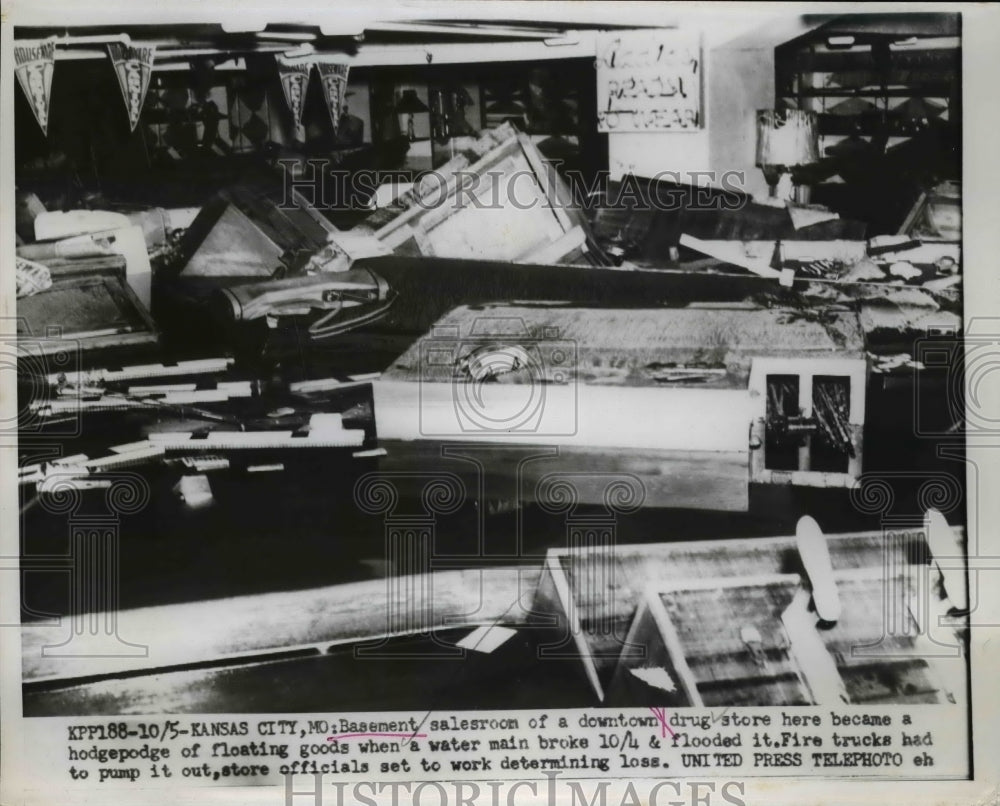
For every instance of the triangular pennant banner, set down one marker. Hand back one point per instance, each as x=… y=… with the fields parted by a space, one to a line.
x=334 y=80
x=34 y=63
x=294 y=80
x=134 y=68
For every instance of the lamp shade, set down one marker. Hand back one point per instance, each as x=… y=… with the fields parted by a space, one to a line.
x=460 y=93
x=410 y=103
x=786 y=138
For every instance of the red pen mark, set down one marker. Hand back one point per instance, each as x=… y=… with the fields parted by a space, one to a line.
x=661 y=716
x=340 y=736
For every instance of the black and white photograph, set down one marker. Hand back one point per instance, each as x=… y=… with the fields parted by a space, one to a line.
x=424 y=392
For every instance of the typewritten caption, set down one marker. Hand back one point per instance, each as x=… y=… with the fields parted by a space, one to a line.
x=881 y=742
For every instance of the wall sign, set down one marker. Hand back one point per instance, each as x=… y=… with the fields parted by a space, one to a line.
x=649 y=81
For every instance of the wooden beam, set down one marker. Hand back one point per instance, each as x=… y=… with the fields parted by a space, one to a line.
x=253 y=625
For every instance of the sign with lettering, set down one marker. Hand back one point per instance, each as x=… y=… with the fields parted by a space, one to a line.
x=294 y=77
x=649 y=81
x=34 y=63
x=134 y=68
x=333 y=77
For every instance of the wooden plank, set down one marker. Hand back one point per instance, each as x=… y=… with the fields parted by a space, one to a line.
x=731 y=252
x=258 y=440
x=821 y=673
x=568 y=602
x=668 y=636
x=250 y=625
x=652 y=633
x=816 y=558
x=69 y=267
x=915 y=211
x=488 y=160
x=141 y=371
x=545 y=177
x=947 y=551
x=668 y=479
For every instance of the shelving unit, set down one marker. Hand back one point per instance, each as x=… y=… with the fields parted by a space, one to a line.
x=873 y=76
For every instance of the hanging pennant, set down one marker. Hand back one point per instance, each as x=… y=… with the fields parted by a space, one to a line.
x=333 y=77
x=134 y=68
x=34 y=63
x=294 y=80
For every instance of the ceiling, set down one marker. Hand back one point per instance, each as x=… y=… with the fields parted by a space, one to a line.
x=382 y=34
x=358 y=42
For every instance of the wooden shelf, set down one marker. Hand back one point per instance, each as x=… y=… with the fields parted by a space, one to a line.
x=807 y=60
x=875 y=70
x=941 y=90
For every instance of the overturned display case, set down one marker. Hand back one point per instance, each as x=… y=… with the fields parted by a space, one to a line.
x=693 y=403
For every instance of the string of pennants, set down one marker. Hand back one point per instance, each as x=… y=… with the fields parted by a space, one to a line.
x=294 y=75
x=34 y=64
